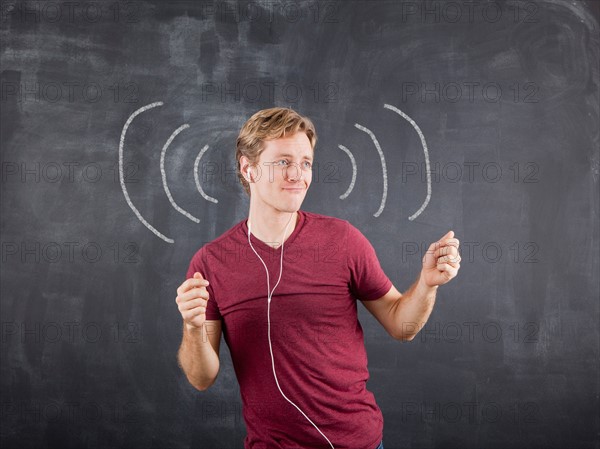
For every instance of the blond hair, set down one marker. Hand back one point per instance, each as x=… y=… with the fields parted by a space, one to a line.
x=269 y=124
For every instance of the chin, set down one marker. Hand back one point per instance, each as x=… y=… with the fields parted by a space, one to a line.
x=291 y=207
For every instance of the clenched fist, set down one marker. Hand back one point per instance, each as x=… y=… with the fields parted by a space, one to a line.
x=192 y=298
x=442 y=261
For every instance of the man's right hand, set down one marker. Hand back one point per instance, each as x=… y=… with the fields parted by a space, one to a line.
x=192 y=298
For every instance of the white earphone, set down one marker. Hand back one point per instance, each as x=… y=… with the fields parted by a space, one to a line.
x=269 y=296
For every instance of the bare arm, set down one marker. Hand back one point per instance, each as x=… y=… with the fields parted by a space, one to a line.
x=198 y=354
x=404 y=315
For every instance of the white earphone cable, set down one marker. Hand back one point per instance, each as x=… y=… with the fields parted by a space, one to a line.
x=270 y=295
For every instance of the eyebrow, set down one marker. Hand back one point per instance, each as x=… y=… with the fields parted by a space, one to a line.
x=291 y=156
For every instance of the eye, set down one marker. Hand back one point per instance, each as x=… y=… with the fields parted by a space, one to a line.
x=307 y=165
x=281 y=162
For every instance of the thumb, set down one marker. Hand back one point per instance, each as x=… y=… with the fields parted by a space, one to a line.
x=428 y=258
x=198 y=275
x=448 y=235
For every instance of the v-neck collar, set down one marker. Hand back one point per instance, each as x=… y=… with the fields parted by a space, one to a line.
x=260 y=244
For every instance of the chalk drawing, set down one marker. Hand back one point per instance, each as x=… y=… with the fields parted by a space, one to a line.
x=122 y=176
x=214 y=200
x=383 y=167
x=353 y=161
x=164 y=175
x=425 y=152
x=198 y=186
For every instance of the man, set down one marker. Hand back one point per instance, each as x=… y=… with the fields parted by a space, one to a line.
x=290 y=318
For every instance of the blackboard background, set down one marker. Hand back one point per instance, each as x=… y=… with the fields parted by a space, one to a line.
x=90 y=329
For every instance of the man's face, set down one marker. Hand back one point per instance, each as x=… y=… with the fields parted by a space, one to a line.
x=283 y=174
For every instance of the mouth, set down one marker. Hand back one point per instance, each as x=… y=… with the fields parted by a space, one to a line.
x=294 y=190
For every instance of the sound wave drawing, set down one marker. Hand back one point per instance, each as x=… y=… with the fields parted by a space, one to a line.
x=383 y=165
x=122 y=176
x=164 y=175
x=425 y=154
x=201 y=153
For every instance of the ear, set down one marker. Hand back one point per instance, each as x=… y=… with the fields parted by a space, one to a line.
x=245 y=168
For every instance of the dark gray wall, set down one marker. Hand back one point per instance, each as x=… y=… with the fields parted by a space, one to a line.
x=506 y=96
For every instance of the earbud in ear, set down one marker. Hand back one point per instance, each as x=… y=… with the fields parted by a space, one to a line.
x=248 y=175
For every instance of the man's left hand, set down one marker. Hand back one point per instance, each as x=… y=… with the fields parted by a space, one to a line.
x=442 y=261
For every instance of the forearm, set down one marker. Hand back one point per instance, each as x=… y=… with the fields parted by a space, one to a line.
x=197 y=358
x=413 y=308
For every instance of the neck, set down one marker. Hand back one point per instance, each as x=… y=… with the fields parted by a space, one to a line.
x=269 y=228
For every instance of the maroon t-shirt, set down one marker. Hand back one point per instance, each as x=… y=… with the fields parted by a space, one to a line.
x=317 y=340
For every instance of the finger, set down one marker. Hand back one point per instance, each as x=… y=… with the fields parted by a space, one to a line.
x=195 y=280
x=190 y=311
x=451 y=259
x=193 y=294
x=185 y=286
x=448 y=243
x=191 y=314
x=201 y=278
x=197 y=302
x=190 y=305
x=448 y=235
x=191 y=283
x=451 y=251
x=197 y=310
x=198 y=283
x=453 y=242
x=446 y=251
x=448 y=269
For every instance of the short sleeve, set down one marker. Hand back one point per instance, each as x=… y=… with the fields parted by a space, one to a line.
x=197 y=265
x=368 y=281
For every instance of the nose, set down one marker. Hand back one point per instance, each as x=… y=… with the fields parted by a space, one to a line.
x=294 y=174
